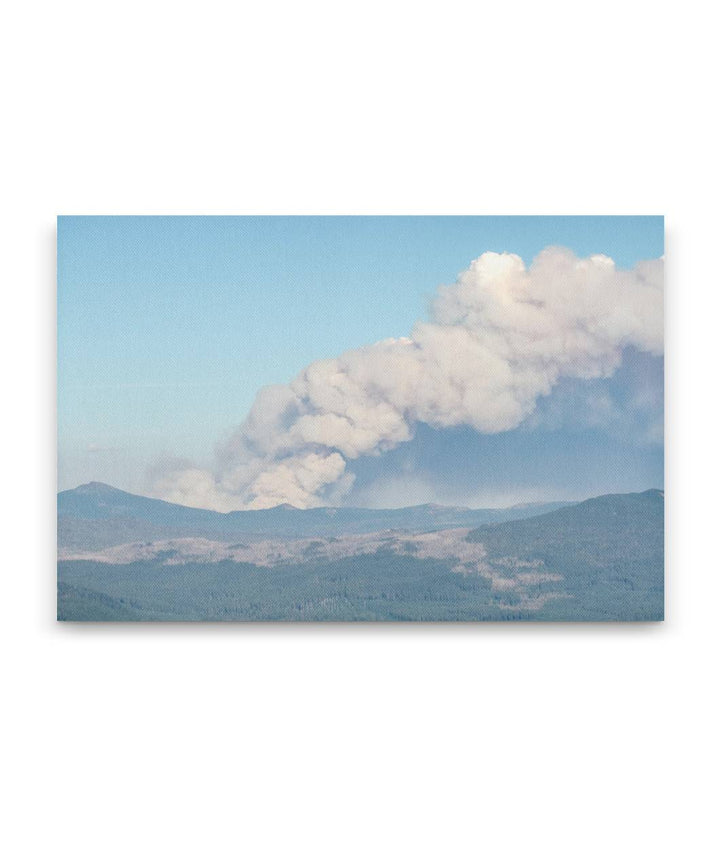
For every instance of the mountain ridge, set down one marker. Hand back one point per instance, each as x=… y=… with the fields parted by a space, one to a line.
x=96 y=515
x=612 y=502
x=96 y=488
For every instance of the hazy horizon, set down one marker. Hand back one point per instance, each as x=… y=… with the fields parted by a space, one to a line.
x=569 y=500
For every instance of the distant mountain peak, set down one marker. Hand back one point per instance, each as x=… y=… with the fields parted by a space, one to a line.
x=96 y=487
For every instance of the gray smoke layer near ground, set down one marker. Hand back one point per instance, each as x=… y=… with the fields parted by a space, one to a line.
x=499 y=338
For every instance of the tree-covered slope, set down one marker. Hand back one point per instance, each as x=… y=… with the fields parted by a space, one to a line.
x=610 y=551
x=600 y=560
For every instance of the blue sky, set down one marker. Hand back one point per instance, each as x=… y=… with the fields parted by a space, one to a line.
x=168 y=326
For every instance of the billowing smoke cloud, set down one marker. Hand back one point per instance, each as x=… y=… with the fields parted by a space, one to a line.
x=499 y=338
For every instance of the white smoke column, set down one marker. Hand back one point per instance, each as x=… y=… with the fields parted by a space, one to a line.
x=497 y=339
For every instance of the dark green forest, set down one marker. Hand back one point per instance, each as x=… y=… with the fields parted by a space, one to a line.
x=601 y=560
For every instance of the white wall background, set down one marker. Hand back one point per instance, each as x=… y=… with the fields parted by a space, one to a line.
x=358 y=739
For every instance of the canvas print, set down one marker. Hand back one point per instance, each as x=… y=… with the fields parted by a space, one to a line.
x=360 y=419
